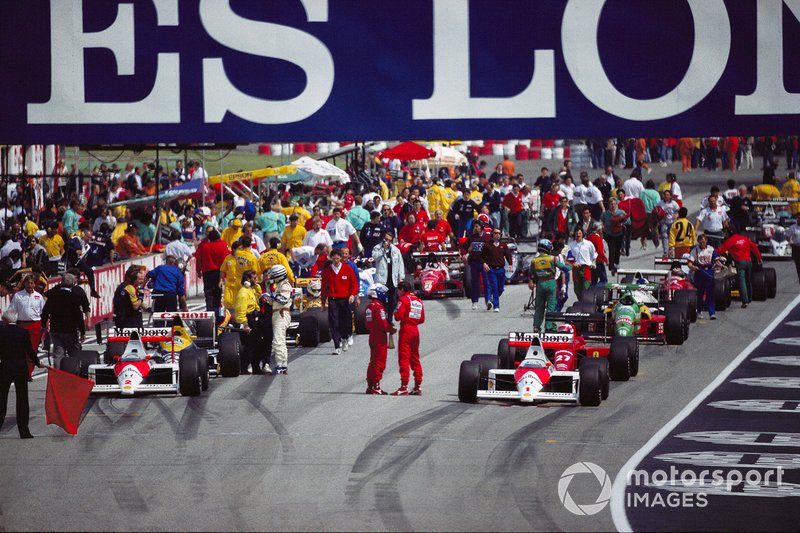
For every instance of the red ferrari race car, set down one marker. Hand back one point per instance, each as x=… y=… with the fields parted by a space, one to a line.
x=440 y=274
x=536 y=378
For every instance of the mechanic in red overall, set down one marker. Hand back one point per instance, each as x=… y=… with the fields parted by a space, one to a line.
x=378 y=327
x=410 y=313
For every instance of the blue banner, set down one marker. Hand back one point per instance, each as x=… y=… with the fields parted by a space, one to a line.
x=240 y=71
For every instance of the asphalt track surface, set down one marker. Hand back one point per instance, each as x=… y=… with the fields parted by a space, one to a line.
x=310 y=451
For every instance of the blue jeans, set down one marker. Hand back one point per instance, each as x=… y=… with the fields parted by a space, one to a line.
x=476 y=275
x=704 y=281
x=665 y=237
x=496 y=278
x=599 y=275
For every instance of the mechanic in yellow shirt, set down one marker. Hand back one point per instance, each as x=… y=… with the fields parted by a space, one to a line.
x=293 y=234
x=233 y=231
x=230 y=283
x=681 y=235
x=246 y=258
x=791 y=189
x=765 y=192
x=289 y=210
x=449 y=195
x=273 y=257
x=475 y=195
x=29 y=227
x=434 y=195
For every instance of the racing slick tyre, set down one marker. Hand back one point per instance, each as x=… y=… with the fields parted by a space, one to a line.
x=633 y=354
x=202 y=362
x=582 y=307
x=71 y=365
x=190 y=382
x=596 y=296
x=772 y=282
x=722 y=295
x=687 y=297
x=360 y=317
x=87 y=357
x=619 y=364
x=590 y=389
x=759 y=282
x=602 y=365
x=229 y=349
x=674 y=326
x=506 y=354
x=308 y=331
x=322 y=321
x=486 y=361
x=204 y=329
x=113 y=349
x=469 y=376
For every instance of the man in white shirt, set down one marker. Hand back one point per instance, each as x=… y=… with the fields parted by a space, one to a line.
x=29 y=304
x=341 y=230
x=317 y=235
x=632 y=187
x=5 y=250
x=585 y=256
x=675 y=189
x=713 y=221
x=579 y=193
x=177 y=248
x=670 y=208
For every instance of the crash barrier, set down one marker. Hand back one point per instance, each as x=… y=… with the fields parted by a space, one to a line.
x=108 y=277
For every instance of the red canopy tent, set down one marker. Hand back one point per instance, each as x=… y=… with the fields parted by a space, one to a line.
x=407 y=151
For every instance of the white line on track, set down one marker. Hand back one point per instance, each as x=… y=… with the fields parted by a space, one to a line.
x=618 y=514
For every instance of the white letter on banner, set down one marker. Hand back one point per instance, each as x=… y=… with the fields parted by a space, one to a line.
x=712 y=43
x=451 y=97
x=266 y=40
x=68 y=105
x=770 y=96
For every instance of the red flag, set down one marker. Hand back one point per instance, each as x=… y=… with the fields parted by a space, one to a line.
x=65 y=399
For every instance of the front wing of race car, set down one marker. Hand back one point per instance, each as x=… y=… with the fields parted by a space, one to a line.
x=161 y=377
x=502 y=385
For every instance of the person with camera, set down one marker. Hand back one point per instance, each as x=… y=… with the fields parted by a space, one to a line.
x=389 y=269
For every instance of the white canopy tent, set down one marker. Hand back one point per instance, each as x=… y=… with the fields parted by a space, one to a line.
x=322 y=170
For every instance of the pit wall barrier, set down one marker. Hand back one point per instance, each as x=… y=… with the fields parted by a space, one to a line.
x=108 y=277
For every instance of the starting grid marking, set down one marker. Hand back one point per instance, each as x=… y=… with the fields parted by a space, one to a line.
x=785 y=360
x=785 y=461
x=745 y=438
x=763 y=406
x=777 y=382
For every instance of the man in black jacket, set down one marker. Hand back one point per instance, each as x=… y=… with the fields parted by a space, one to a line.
x=15 y=349
x=63 y=311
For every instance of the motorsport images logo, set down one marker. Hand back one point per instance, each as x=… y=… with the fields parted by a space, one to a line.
x=587 y=509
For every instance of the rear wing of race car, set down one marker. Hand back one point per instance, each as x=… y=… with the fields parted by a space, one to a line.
x=642 y=273
x=668 y=261
x=142 y=334
x=439 y=255
x=632 y=286
x=524 y=339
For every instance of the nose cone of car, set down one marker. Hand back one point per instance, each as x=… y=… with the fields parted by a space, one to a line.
x=528 y=386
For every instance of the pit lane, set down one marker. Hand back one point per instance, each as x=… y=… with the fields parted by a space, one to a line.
x=310 y=451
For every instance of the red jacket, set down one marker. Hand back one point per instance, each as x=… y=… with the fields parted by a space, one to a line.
x=410 y=311
x=513 y=203
x=341 y=285
x=211 y=254
x=411 y=233
x=433 y=240
x=597 y=240
x=376 y=322
x=740 y=248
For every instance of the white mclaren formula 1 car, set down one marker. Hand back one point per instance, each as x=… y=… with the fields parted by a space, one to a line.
x=534 y=380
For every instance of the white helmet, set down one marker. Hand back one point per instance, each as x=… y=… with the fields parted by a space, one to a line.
x=277 y=273
x=314 y=288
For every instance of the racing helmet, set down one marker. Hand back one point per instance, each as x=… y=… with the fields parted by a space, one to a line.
x=483 y=218
x=314 y=288
x=545 y=246
x=627 y=299
x=277 y=273
x=379 y=291
x=566 y=328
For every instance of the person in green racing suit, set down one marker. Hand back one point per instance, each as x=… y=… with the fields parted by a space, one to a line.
x=543 y=271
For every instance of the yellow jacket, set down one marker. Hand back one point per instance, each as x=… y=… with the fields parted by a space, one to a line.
x=232 y=283
x=54 y=246
x=791 y=189
x=271 y=258
x=292 y=238
x=434 y=198
x=246 y=260
x=448 y=197
x=681 y=233
x=30 y=227
x=302 y=214
x=119 y=231
x=231 y=233
x=765 y=192
x=246 y=303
